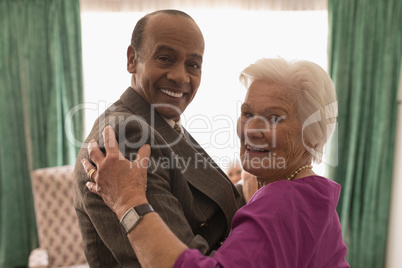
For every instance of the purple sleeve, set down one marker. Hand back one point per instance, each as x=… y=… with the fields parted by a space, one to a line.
x=193 y=258
x=288 y=224
x=246 y=245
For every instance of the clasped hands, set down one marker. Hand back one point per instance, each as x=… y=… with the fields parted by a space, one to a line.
x=121 y=184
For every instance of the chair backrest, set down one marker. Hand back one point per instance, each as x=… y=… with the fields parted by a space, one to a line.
x=56 y=218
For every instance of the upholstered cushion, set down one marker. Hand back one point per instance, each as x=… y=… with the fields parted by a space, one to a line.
x=56 y=219
x=38 y=258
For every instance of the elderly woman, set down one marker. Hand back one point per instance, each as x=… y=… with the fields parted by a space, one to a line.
x=291 y=221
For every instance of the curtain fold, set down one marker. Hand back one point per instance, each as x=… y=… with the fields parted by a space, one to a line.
x=365 y=60
x=40 y=81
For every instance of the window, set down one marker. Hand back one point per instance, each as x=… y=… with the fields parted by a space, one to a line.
x=233 y=38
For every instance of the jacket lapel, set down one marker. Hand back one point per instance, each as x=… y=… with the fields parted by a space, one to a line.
x=204 y=174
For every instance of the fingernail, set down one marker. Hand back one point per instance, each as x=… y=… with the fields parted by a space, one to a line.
x=103 y=132
x=91 y=143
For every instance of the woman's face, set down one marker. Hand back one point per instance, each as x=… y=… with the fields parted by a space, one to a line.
x=270 y=132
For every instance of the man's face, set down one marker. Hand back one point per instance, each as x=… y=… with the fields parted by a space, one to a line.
x=168 y=70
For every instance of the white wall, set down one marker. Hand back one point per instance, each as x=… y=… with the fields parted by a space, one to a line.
x=233 y=38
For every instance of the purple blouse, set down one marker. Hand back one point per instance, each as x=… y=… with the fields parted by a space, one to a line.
x=285 y=224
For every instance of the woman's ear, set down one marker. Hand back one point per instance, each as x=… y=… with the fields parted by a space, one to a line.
x=131 y=59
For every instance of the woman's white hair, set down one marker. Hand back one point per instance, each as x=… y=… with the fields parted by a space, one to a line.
x=314 y=96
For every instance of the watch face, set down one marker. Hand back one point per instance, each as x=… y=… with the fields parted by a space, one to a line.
x=130 y=219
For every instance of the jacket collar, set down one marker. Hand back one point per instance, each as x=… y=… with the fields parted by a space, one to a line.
x=197 y=161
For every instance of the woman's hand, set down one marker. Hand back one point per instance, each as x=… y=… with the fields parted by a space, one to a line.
x=249 y=185
x=122 y=184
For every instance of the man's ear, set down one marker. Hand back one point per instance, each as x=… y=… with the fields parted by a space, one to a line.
x=131 y=59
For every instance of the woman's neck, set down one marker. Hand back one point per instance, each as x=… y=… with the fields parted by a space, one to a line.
x=303 y=171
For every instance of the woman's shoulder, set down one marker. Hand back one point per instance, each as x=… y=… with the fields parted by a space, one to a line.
x=304 y=192
x=310 y=183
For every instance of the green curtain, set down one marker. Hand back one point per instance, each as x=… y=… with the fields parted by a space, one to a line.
x=40 y=81
x=365 y=60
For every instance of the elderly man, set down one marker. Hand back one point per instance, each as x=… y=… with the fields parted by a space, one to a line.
x=193 y=196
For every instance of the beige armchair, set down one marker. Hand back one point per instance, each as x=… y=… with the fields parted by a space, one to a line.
x=59 y=235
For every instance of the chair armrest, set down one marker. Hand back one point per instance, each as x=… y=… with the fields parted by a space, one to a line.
x=38 y=258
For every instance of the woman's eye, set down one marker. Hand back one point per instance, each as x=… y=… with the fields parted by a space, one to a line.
x=276 y=119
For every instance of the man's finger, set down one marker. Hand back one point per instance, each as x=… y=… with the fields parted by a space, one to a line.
x=95 y=153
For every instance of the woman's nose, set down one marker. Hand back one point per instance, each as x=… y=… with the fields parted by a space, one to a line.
x=256 y=127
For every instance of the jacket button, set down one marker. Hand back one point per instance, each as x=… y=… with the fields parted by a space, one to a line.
x=204 y=224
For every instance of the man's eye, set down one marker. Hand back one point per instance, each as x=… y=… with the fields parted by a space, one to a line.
x=164 y=59
x=247 y=115
x=195 y=66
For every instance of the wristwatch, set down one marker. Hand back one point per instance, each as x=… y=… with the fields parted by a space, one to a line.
x=133 y=216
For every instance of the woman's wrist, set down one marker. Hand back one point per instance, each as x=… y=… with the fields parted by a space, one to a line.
x=132 y=202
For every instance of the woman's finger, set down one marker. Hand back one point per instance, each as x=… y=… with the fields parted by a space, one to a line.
x=87 y=165
x=95 y=153
x=92 y=187
x=111 y=144
x=142 y=158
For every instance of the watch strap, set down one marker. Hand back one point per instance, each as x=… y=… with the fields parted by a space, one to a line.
x=133 y=216
x=144 y=209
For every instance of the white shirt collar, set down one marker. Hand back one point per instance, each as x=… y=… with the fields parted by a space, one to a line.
x=171 y=122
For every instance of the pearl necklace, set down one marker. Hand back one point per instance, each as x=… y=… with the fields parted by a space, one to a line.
x=292 y=176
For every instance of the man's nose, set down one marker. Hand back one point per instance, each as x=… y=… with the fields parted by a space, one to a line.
x=179 y=74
